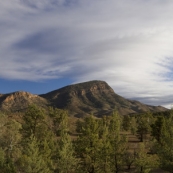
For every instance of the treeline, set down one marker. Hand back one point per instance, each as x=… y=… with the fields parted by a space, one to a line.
x=40 y=142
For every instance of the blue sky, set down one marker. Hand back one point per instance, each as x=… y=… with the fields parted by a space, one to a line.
x=48 y=44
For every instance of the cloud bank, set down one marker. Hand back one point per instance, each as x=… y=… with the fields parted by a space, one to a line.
x=127 y=43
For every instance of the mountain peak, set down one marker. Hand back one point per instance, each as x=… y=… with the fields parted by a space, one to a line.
x=94 y=97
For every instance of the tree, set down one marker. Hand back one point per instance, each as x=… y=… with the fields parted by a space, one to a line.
x=32 y=161
x=100 y=145
x=133 y=125
x=11 y=138
x=9 y=143
x=6 y=164
x=118 y=144
x=129 y=158
x=66 y=161
x=57 y=116
x=37 y=140
x=88 y=145
x=157 y=128
x=143 y=125
x=105 y=149
x=33 y=122
x=165 y=146
x=126 y=123
x=144 y=162
x=1 y=158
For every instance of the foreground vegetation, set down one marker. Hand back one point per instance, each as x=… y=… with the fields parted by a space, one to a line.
x=41 y=142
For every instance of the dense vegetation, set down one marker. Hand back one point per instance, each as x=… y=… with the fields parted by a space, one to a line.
x=40 y=142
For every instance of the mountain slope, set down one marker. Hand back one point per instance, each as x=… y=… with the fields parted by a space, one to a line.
x=20 y=100
x=94 y=97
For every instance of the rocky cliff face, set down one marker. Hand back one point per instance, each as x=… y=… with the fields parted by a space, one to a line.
x=19 y=101
x=94 y=97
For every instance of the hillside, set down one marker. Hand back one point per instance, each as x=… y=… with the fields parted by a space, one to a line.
x=95 y=97
x=19 y=101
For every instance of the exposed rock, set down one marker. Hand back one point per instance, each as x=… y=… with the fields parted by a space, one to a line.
x=19 y=101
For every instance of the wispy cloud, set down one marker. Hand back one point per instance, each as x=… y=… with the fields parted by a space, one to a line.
x=127 y=43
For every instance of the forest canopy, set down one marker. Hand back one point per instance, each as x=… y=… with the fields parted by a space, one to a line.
x=40 y=141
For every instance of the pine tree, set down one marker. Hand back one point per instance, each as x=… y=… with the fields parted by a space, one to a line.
x=66 y=161
x=1 y=158
x=105 y=149
x=126 y=123
x=33 y=121
x=165 y=146
x=157 y=128
x=6 y=163
x=133 y=125
x=88 y=145
x=143 y=125
x=32 y=161
x=9 y=142
x=144 y=162
x=57 y=116
x=37 y=137
x=118 y=144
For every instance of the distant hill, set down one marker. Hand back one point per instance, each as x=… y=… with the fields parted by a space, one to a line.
x=95 y=97
x=19 y=101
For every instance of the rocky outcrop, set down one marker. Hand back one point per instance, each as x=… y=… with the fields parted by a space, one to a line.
x=19 y=101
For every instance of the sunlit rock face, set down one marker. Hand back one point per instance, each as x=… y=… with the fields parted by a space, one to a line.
x=20 y=100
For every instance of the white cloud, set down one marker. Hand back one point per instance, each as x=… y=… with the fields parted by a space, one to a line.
x=127 y=43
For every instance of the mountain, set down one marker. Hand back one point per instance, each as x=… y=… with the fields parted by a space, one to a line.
x=95 y=97
x=18 y=101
